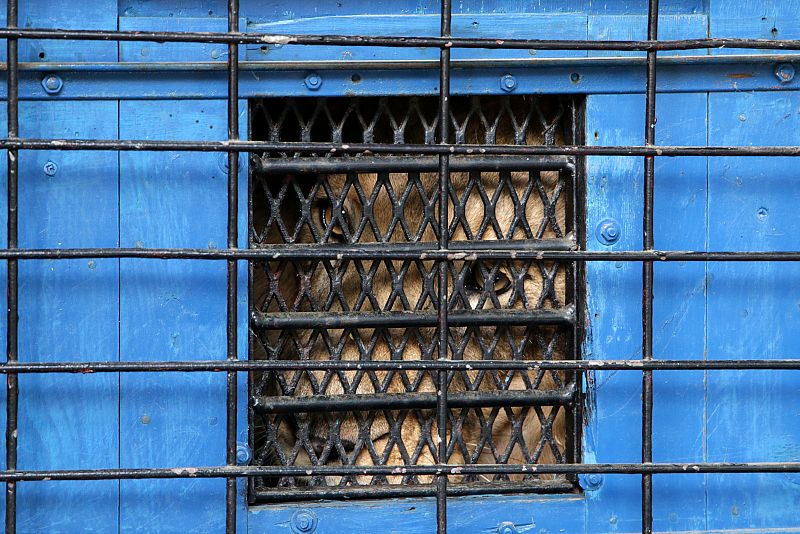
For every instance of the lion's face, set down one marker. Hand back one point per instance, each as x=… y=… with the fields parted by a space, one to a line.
x=402 y=207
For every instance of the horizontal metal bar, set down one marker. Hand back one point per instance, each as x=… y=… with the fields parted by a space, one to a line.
x=404 y=64
x=411 y=164
x=387 y=491
x=386 y=470
x=412 y=401
x=556 y=250
x=420 y=365
x=365 y=148
x=459 y=250
x=411 y=319
x=395 y=41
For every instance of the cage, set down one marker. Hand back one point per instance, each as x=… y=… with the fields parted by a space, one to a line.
x=414 y=266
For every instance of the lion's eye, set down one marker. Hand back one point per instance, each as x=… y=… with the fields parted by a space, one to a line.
x=476 y=280
x=325 y=215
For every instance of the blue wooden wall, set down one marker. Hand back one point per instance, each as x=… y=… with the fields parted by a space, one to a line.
x=155 y=310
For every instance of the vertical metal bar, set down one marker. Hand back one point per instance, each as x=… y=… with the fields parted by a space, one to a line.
x=12 y=391
x=233 y=238
x=578 y=220
x=647 y=272
x=444 y=192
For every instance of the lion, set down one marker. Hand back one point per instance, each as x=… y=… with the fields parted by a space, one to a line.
x=400 y=207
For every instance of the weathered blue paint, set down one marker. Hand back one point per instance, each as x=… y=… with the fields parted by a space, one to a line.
x=173 y=311
x=766 y=19
x=68 y=312
x=614 y=189
x=261 y=10
x=145 y=82
x=753 y=310
x=508 y=26
x=542 y=514
x=176 y=310
x=143 y=52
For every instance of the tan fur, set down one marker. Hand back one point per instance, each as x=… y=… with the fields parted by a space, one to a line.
x=382 y=286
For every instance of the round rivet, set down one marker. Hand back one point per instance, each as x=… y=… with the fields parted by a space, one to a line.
x=507 y=527
x=508 y=83
x=608 y=231
x=50 y=168
x=313 y=81
x=304 y=522
x=575 y=77
x=52 y=84
x=242 y=454
x=592 y=481
x=785 y=72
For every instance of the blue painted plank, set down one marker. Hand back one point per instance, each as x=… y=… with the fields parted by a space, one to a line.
x=69 y=311
x=270 y=10
x=614 y=190
x=634 y=27
x=173 y=311
x=679 y=321
x=94 y=15
x=607 y=77
x=147 y=52
x=753 y=311
x=492 y=26
x=542 y=514
x=764 y=19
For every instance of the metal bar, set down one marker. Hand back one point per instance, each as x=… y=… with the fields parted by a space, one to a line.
x=647 y=270
x=410 y=149
x=232 y=281
x=444 y=236
x=412 y=401
x=577 y=274
x=387 y=470
x=268 y=166
x=486 y=250
x=542 y=62
x=12 y=327
x=444 y=42
x=190 y=366
x=399 y=491
x=412 y=319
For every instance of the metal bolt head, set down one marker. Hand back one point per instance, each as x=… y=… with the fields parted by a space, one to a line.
x=313 y=81
x=52 y=84
x=592 y=481
x=785 y=72
x=507 y=527
x=608 y=231
x=50 y=168
x=304 y=522
x=508 y=83
x=243 y=454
